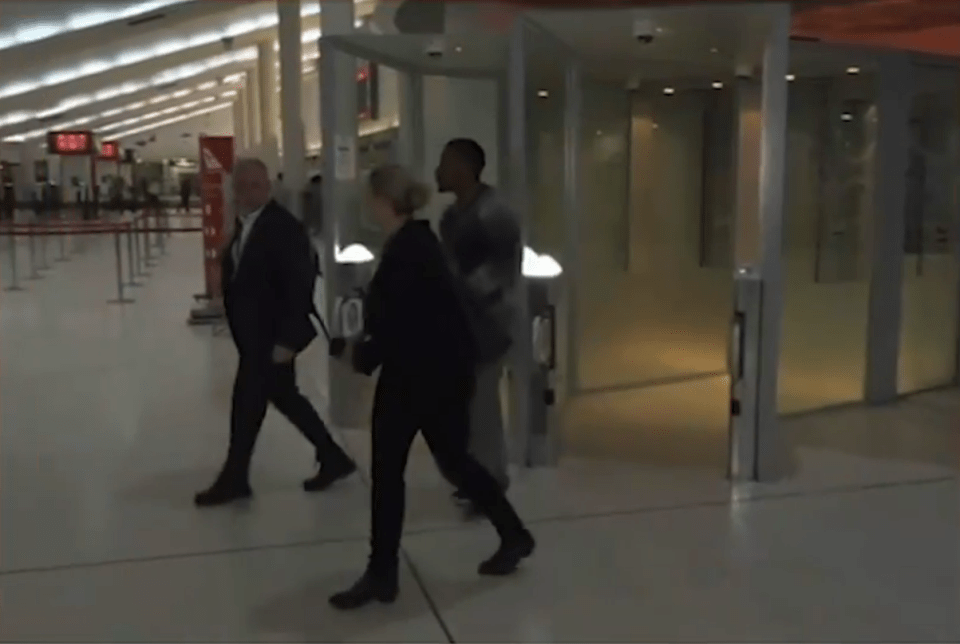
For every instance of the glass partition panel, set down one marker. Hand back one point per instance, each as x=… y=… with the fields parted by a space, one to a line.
x=652 y=308
x=928 y=331
x=830 y=153
x=547 y=61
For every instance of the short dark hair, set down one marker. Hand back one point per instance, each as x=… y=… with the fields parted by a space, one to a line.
x=471 y=152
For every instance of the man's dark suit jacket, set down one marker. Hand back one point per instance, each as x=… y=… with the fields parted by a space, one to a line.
x=268 y=297
x=414 y=324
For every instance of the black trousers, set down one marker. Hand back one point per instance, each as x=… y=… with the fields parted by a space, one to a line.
x=259 y=381
x=444 y=419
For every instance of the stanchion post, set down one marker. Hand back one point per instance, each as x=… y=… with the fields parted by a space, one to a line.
x=120 y=295
x=44 y=265
x=135 y=231
x=146 y=244
x=161 y=232
x=62 y=230
x=141 y=236
x=131 y=265
x=14 y=279
x=34 y=266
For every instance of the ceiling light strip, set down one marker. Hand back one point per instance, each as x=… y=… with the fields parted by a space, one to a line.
x=172 y=121
x=37 y=31
x=175 y=74
x=19 y=138
x=266 y=20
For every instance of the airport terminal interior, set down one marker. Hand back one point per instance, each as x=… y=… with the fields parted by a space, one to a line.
x=656 y=153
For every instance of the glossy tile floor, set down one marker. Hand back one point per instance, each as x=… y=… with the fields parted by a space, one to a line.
x=113 y=416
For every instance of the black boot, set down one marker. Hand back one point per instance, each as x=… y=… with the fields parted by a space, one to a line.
x=329 y=474
x=508 y=556
x=383 y=588
x=223 y=491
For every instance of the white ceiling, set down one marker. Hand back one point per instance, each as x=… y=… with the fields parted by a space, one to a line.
x=120 y=70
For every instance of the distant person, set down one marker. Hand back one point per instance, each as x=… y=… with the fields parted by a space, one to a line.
x=417 y=334
x=268 y=273
x=186 y=189
x=481 y=238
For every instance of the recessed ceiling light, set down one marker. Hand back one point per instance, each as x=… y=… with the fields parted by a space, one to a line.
x=543 y=93
x=714 y=50
x=791 y=78
x=853 y=70
x=458 y=49
x=717 y=85
x=846 y=116
x=669 y=91
x=599 y=132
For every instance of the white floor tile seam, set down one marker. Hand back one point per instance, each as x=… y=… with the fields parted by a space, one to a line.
x=469 y=526
x=303 y=544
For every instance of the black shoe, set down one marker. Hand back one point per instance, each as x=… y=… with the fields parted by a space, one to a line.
x=330 y=474
x=368 y=588
x=509 y=555
x=221 y=493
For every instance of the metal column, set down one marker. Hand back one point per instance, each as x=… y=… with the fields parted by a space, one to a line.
x=773 y=459
x=412 y=127
x=572 y=145
x=338 y=126
x=521 y=359
x=267 y=93
x=291 y=77
x=895 y=90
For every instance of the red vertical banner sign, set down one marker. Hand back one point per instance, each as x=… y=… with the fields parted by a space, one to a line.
x=216 y=164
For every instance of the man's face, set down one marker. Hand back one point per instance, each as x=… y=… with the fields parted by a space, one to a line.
x=251 y=189
x=448 y=170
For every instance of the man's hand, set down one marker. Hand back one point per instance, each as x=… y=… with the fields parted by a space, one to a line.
x=282 y=355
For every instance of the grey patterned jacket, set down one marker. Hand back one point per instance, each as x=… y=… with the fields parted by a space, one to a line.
x=482 y=242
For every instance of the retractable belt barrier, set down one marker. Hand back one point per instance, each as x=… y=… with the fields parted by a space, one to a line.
x=145 y=234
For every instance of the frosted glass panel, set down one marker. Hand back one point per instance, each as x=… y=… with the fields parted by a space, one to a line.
x=649 y=310
x=830 y=148
x=928 y=332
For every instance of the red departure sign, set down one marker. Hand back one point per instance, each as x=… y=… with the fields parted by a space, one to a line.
x=70 y=143
x=110 y=151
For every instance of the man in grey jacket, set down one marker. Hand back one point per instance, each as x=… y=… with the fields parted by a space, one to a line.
x=481 y=237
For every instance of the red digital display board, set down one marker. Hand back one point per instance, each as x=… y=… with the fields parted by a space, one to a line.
x=110 y=151
x=70 y=143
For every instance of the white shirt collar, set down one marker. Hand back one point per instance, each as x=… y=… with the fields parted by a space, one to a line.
x=248 y=219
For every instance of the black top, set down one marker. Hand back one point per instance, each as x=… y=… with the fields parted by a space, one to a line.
x=268 y=297
x=414 y=324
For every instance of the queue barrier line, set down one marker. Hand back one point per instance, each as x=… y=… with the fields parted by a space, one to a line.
x=131 y=228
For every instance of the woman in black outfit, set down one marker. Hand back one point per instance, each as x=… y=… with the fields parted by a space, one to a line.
x=416 y=332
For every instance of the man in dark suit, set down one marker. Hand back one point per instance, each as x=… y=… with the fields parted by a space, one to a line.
x=268 y=277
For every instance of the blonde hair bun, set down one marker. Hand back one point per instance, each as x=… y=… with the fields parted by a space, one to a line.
x=395 y=183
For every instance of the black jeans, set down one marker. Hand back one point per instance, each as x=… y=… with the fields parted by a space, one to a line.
x=444 y=419
x=258 y=383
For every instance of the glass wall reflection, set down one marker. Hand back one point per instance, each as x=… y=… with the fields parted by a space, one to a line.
x=928 y=332
x=831 y=142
